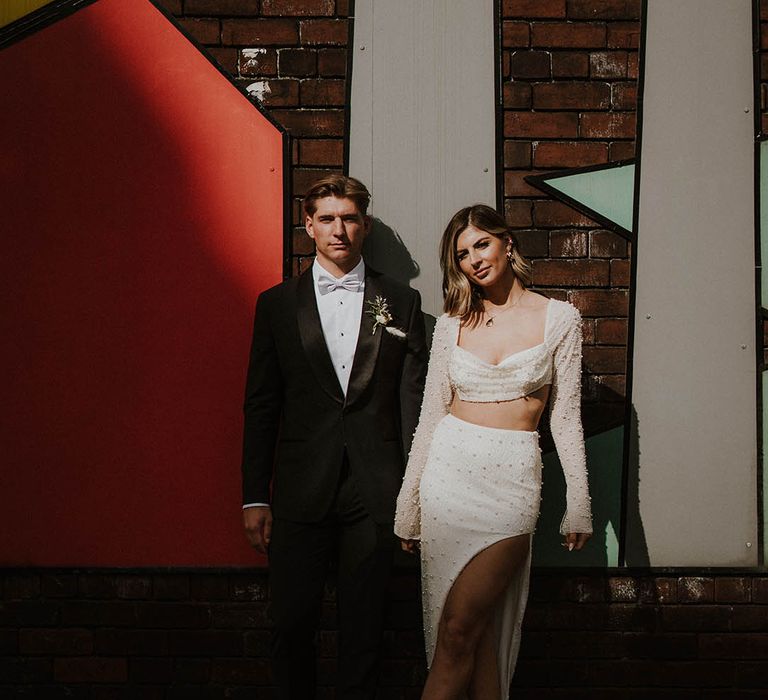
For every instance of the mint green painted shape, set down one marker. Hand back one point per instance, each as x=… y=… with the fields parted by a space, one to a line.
x=765 y=458
x=764 y=223
x=604 y=459
x=610 y=192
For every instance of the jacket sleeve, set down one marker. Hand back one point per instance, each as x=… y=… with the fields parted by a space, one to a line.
x=262 y=408
x=567 y=431
x=435 y=405
x=413 y=374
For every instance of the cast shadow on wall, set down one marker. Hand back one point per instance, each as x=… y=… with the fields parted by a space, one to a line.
x=385 y=251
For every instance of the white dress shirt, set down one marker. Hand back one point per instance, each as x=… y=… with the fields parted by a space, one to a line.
x=340 y=313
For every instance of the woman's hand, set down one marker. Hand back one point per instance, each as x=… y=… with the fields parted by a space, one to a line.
x=410 y=546
x=576 y=540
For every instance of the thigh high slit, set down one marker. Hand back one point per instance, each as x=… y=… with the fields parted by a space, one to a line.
x=480 y=486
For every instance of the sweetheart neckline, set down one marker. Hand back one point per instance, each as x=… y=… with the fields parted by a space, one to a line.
x=501 y=362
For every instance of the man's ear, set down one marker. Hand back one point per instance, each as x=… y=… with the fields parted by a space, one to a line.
x=367 y=224
x=308 y=226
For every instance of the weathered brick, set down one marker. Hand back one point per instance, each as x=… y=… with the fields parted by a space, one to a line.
x=193 y=670
x=221 y=7
x=130 y=642
x=760 y=590
x=569 y=154
x=172 y=6
x=533 y=243
x=605 y=360
x=541 y=125
x=607 y=125
x=571 y=273
x=274 y=92
x=750 y=618
x=622 y=589
x=517 y=154
x=240 y=671
x=323 y=93
x=332 y=63
x=570 y=64
x=530 y=64
x=134 y=587
x=548 y=213
x=613 y=388
x=733 y=646
x=589 y=589
x=323 y=31
x=154 y=615
x=171 y=587
x=259 y=32
x=313 y=123
x=226 y=57
x=568 y=35
x=258 y=62
x=257 y=643
x=150 y=670
x=608 y=64
x=611 y=331
x=620 y=273
x=63 y=642
x=606 y=244
x=603 y=9
x=623 y=35
x=633 y=66
x=752 y=674
x=515 y=34
x=600 y=302
x=732 y=590
x=240 y=615
x=303 y=8
x=695 y=618
x=695 y=589
x=518 y=212
x=26 y=671
x=209 y=587
x=517 y=95
x=593 y=645
x=588 y=331
x=661 y=646
x=571 y=95
x=529 y=9
x=206 y=31
x=516 y=186
x=296 y=62
x=506 y=63
x=621 y=150
x=321 y=152
x=301 y=243
x=568 y=243
x=624 y=96
x=91 y=670
x=205 y=643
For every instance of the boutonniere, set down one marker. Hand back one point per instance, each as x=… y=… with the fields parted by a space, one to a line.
x=379 y=310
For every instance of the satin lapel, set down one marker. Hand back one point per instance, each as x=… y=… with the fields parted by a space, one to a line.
x=311 y=332
x=368 y=342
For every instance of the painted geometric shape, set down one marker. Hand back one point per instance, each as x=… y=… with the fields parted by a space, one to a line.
x=604 y=458
x=764 y=221
x=143 y=212
x=605 y=193
x=12 y=10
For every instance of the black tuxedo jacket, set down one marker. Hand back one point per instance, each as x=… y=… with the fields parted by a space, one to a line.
x=298 y=423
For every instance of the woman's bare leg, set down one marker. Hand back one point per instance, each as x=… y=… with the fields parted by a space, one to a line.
x=466 y=616
x=485 y=676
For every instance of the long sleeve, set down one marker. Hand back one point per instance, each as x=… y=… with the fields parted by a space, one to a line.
x=414 y=372
x=263 y=396
x=565 y=423
x=435 y=406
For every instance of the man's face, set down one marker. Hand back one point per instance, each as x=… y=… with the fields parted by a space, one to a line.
x=338 y=229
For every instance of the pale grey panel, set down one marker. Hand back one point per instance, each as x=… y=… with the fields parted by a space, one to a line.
x=422 y=126
x=694 y=380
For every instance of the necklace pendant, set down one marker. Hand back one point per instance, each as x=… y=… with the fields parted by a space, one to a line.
x=489 y=323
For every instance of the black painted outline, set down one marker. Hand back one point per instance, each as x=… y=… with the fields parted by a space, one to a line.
x=498 y=87
x=59 y=9
x=760 y=312
x=541 y=182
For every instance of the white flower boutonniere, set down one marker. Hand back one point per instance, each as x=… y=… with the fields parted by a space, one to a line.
x=379 y=310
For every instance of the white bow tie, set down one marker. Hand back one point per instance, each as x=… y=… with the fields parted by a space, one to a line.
x=328 y=284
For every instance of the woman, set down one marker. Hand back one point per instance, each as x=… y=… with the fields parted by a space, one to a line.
x=472 y=487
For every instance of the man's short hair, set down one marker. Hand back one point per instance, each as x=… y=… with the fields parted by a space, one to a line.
x=340 y=186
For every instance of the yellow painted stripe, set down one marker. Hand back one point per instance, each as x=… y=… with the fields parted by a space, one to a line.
x=11 y=10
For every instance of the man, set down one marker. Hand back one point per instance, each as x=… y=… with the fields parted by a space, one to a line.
x=333 y=392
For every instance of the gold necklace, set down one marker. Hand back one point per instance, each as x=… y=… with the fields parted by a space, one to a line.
x=489 y=322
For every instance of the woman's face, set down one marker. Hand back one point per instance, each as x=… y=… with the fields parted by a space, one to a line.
x=482 y=256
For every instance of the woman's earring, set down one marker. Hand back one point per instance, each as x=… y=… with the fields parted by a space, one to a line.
x=510 y=257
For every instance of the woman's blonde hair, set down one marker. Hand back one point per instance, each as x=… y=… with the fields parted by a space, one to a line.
x=461 y=297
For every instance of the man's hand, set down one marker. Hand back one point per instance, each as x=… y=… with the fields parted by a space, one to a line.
x=575 y=540
x=258 y=526
x=410 y=546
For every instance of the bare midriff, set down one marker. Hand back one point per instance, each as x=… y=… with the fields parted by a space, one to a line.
x=518 y=414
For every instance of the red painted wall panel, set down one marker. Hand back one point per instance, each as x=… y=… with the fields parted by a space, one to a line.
x=140 y=216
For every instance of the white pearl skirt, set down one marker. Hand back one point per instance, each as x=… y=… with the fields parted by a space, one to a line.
x=480 y=485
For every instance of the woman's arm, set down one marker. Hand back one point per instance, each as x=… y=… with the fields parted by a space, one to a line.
x=435 y=405
x=567 y=431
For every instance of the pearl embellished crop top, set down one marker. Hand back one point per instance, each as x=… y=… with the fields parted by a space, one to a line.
x=455 y=371
x=516 y=376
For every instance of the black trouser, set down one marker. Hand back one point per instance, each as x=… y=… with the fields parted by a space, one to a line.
x=300 y=556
